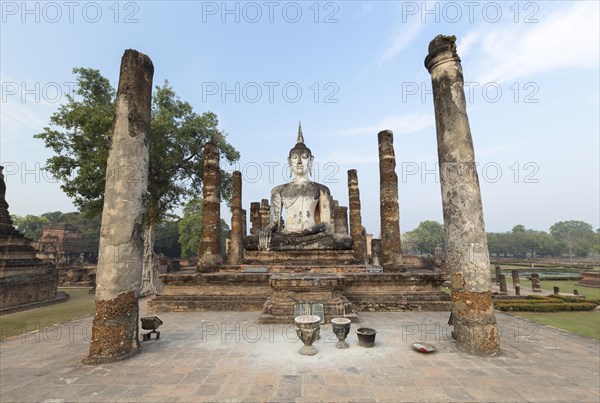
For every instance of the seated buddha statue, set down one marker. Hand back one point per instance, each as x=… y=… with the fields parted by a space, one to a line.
x=307 y=205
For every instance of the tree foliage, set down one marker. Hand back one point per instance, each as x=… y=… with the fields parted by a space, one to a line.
x=425 y=237
x=167 y=239
x=576 y=236
x=566 y=238
x=79 y=134
x=189 y=229
x=32 y=226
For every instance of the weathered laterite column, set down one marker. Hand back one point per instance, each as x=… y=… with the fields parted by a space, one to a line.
x=119 y=271
x=468 y=259
x=255 y=219
x=360 y=253
x=515 y=278
x=244 y=225
x=391 y=247
x=264 y=213
x=502 y=283
x=535 y=282
x=498 y=273
x=236 y=247
x=209 y=251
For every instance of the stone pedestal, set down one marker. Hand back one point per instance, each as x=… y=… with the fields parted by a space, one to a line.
x=468 y=260
x=391 y=247
x=291 y=289
x=120 y=261
x=209 y=251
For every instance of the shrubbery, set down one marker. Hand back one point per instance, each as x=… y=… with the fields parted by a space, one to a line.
x=552 y=303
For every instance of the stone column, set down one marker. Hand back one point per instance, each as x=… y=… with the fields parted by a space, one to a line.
x=236 y=247
x=468 y=259
x=391 y=248
x=535 y=282
x=209 y=251
x=341 y=220
x=119 y=270
x=360 y=253
x=244 y=225
x=502 y=283
x=255 y=218
x=498 y=273
x=515 y=278
x=264 y=213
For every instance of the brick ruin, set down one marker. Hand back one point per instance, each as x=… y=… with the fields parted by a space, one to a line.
x=325 y=264
x=24 y=279
x=62 y=245
x=306 y=259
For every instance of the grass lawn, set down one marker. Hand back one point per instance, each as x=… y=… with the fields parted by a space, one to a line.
x=80 y=303
x=566 y=286
x=581 y=323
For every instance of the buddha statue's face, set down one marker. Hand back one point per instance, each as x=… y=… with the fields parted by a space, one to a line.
x=300 y=162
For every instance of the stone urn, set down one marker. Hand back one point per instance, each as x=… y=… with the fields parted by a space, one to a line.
x=307 y=329
x=341 y=328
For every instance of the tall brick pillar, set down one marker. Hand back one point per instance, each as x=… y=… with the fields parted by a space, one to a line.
x=468 y=261
x=391 y=247
x=209 y=251
x=356 y=227
x=255 y=219
x=264 y=213
x=120 y=259
x=244 y=225
x=236 y=247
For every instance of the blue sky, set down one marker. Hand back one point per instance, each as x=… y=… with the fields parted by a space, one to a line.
x=346 y=69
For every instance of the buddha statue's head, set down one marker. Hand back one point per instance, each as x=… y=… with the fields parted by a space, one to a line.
x=300 y=158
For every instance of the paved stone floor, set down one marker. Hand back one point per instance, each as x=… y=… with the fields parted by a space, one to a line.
x=226 y=356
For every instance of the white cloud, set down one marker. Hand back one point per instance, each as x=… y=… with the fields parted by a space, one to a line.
x=565 y=38
x=401 y=39
x=398 y=124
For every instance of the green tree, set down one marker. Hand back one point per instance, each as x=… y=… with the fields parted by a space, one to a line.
x=425 y=237
x=167 y=239
x=576 y=236
x=189 y=229
x=30 y=225
x=80 y=136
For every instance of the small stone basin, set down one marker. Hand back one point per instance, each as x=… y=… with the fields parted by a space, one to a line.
x=308 y=331
x=307 y=319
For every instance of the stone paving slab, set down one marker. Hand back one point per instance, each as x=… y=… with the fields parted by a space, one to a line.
x=228 y=357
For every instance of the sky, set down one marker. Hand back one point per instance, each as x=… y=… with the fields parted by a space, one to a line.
x=346 y=70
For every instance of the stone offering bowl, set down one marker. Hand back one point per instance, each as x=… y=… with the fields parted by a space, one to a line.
x=307 y=329
x=341 y=328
